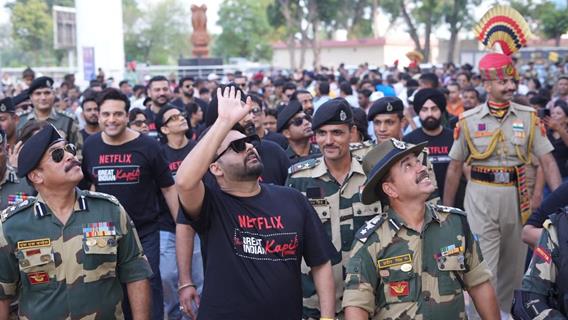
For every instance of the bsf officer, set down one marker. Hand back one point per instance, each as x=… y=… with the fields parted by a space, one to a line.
x=296 y=126
x=65 y=253
x=332 y=183
x=415 y=260
x=497 y=139
x=544 y=291
x=42 y=96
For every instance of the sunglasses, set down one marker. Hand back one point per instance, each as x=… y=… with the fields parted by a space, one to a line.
x=299 y=120
x=139 y=123
x=256 y=111
x=59 y=153
x=175 y=117
x=239 y=145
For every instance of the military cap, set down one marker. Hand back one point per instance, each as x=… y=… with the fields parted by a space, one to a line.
x=22 y=97
x=41 y=82
x=429 y=94
x=334 y=111
x=7 y=105
x=381 y=159
x=293 y=108
x=33 y=149
x=385 y=105
x=495 y=66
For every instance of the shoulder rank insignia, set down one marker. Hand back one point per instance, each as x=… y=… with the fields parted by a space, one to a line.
x=100 y=195
x=308 y=164
x=370 y=226
x=449 y=210
x=10 y=211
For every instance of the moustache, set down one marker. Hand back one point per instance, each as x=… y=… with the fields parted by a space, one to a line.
x=423 y=175
x=72 y=164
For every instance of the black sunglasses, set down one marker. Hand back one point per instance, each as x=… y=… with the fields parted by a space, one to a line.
x=175 y=117
x=59 y=153
x=299 y=120
x=139 y=123
x=239 y=145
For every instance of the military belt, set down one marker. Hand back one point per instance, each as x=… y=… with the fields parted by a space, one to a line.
x=494 y=175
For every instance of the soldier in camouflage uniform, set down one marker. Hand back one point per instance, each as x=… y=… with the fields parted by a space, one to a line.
x=544 y=292
x=415 y=260
x=12 y=189
x=43 y=97
x=332 y=183
x=66 y=253
x=296 y=126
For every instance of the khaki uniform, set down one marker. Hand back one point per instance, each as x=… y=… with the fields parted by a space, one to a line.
x=341 y=212
x=71 y=271
x=13 y=190
x=66 y=124
x=395 y=272
x=498 y=152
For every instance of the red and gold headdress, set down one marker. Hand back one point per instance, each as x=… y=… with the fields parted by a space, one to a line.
x=503 y=29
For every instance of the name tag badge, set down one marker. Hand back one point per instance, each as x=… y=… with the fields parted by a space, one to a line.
x=394 y=261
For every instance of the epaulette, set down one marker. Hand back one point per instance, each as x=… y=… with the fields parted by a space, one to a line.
x=66 y=114
x=370 y=226
x=470 y=112
x=307 y=164
x=524 y=108
x=445 y=209
x=360 y=145
x=12 y=210
x=100 y=195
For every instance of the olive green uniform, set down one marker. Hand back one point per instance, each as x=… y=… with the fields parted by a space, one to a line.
x=74 y=270
x=14 y=190
x=294 y=158
x=66 y=124
x=499 y=151
x=340 y=210
x=396 y=272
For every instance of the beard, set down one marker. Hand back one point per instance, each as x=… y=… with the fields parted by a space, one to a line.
x=92 y=122
x=431 y=123
x=251 y=171
x=188 y=94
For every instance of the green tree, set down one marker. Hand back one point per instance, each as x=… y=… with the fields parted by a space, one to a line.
x=553 y=21
x=158 y=35
x=245 y=31
x=32 y=27
x=458 y=15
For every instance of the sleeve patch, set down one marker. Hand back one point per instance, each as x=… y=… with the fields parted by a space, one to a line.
x=543 y=254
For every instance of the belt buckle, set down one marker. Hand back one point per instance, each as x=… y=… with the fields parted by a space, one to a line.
x=502 y=177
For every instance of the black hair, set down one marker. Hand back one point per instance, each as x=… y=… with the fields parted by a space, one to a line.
x=204 y=90
x=538 y=100
x=430 y=78
x=184 y=79
x=289 y=86
x=323 y=87
x=345 y=87
x=297 y=92
x=113 y=94
x=123 y=82
x=156 y=79
x=366 y=92
x=466 y=74
x=256 y=99
x=472 y=89
x=89 y=95
x=135 y=112
x=272 y=112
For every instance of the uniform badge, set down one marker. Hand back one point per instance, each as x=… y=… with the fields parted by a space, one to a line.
x=398 y=144
x=399 y=288
x=29 y=244
x=519 y=129
x=481 y=127
x=3 y=107
x=394 y=261
x=384 y=273
x=406 y=267
x=342 y=115
x=48 y=82
x=38 y=277
x=389 y=107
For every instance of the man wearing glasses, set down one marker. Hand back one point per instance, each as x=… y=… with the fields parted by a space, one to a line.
x=331 y=184
x=66 y=253
x=254 y=234
x=296 y=126
x=128 y=165
x=187 y=95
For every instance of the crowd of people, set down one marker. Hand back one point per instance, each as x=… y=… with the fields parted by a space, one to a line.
x=373 y=193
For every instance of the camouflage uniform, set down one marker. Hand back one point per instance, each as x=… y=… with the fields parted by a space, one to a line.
x=73 y=270
x=14 y=190
x=542 y=274
x=359 y=149
x=65 y=123
x=340 y=210
x=501 y=150
x=382 y=275
x=294 y=158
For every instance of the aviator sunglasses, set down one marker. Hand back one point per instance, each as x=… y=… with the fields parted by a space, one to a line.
x=175 y=117
x=239 y=145
x=299 y=120
x=59 y=153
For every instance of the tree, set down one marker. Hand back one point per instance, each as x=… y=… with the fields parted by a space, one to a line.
x=158 y=35
x=245 y=31
x=553 y=21
x=458 y=15
x=32 y=27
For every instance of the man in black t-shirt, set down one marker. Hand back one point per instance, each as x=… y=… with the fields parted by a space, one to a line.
x=124 y=163
x=430 y=106
x=90 y=114
x=181 y=239
x=187 y=95
x=255 y=235
x=158 y=90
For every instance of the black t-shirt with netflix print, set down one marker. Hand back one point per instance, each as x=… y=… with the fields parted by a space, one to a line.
x=253 y=249
x=133 y=172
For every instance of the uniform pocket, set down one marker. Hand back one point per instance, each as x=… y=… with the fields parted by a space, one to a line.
x=99 y=258
x=37 y=266
x=399 y=286
x=448 y=267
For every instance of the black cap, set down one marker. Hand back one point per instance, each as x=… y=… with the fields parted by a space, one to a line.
x=22 y=97
x=41 y=82
x=381 y=158
x=429 y=94
x=293 y=108
x=33 y=149
x=334 y=111
x=7 y=105
x=385 y=105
